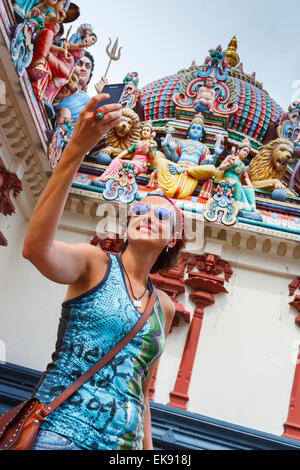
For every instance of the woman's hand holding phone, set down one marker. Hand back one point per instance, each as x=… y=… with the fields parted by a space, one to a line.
x=88 y=130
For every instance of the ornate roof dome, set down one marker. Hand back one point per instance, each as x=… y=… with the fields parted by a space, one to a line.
x=250 y=108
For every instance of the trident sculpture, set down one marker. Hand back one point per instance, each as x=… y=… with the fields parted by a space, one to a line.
x=112 y=54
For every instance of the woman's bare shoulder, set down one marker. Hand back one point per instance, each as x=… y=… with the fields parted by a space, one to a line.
x=94 y=255
x=96 y=261
x=90 y=250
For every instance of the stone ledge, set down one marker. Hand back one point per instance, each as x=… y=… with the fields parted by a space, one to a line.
x=171 y=428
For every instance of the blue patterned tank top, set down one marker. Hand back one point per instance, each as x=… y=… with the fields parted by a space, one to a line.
x=107 y=412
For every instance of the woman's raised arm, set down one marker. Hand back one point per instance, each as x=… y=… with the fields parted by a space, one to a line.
x=62 y=262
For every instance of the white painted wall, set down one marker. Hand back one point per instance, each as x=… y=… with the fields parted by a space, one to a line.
x=29 y=303
x=244 y=366
x=245 y=361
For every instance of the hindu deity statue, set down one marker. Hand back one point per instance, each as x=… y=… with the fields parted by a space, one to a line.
x=132 y=78
x=131 y=93
x=69 y=105
x=191 y=162
x=22 y=41
x=139 y=155
x=63 y=131
x=294 y=183
x=236 y=174
x=206 y=97
x=289 y=124
x=53 y=63
x=23 y=7
x=76 y=101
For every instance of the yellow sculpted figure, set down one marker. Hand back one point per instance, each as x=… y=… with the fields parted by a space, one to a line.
x=189 y=161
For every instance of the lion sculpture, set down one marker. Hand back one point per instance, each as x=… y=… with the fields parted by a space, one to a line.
x=123 y=136
x=268 y=168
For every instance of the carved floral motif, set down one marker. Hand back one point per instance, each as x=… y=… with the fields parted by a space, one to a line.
x=8 y=182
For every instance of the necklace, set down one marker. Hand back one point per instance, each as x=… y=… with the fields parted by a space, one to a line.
x=137 y=302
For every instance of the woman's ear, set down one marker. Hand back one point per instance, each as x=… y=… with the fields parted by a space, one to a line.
x=172 y=243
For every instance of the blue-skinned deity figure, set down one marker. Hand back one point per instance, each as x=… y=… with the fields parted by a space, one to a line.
x=188 y=162
x=74 y=103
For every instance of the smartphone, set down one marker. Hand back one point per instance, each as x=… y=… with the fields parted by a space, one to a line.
x=115 y=91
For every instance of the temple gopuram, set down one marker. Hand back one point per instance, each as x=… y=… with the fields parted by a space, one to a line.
x=215 y=142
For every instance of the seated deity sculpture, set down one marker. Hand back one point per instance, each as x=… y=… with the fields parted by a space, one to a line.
x=206 y=97
x=188 y=162
x=236 y=174
x=139 y=155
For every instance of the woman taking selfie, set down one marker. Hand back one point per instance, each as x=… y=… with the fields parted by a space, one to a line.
x=106 y=297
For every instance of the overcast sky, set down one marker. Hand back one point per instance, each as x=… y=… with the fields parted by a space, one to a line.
x=160 y=37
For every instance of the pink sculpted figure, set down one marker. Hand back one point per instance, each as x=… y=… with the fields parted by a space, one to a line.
x=206 y=97
x=140 y=155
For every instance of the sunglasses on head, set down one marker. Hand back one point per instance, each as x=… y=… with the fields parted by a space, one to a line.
x=161 y=213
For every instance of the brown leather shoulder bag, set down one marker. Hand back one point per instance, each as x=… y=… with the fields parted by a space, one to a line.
x=19 y=426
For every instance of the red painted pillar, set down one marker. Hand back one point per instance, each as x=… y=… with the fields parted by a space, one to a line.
x=292 y=424
x=171 y=282
x=296 y=302
x=179 y=396
x=296 y=305
x=204 y=283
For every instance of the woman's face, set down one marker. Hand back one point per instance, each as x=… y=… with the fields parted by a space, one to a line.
x=148 y=228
